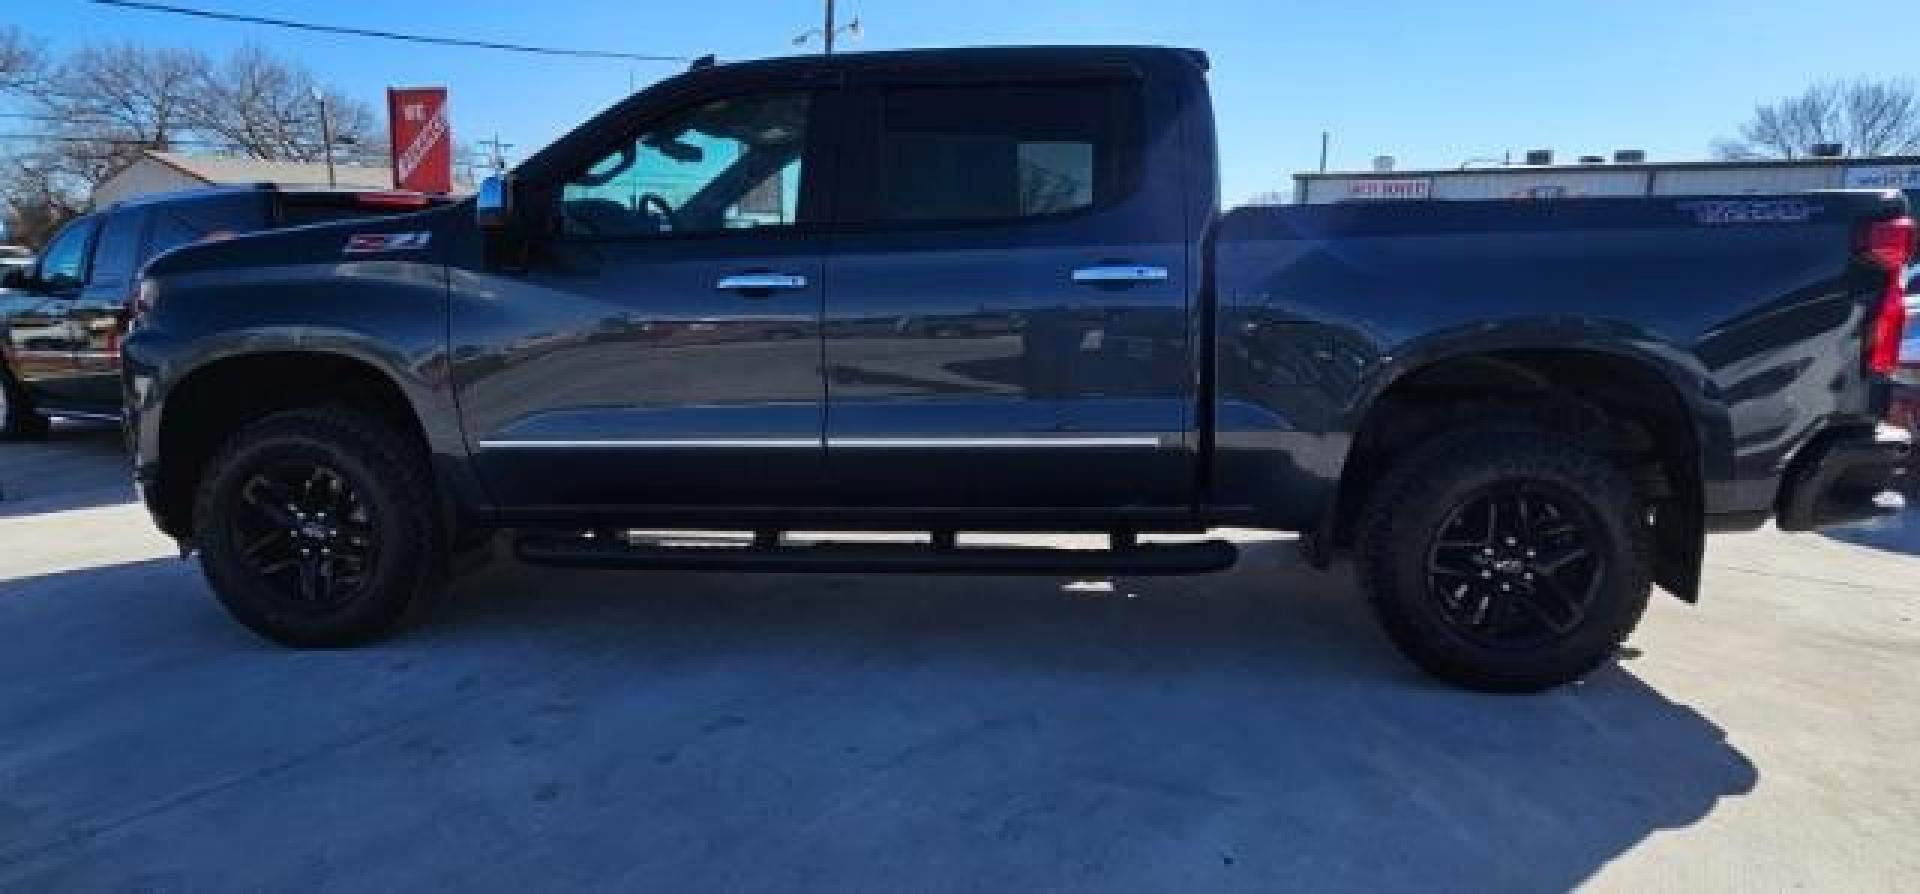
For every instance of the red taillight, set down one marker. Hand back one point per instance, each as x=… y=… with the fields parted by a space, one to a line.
x=390 y=199
x=1889 y=244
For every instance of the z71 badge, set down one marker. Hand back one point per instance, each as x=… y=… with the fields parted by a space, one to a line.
x=369 y=243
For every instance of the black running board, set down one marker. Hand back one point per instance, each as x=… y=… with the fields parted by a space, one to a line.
x=879 y=558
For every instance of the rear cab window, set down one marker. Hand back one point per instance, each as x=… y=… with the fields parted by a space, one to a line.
x=116 y=253
x=973 y=152
x=183 y=223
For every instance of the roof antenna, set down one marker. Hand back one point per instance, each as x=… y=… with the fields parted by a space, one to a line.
x=702 y=62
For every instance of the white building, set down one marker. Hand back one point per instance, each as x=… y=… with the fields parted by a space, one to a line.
x=1690 y=178
x=156 y=171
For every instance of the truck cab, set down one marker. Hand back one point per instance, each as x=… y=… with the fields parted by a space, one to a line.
x=849 y=281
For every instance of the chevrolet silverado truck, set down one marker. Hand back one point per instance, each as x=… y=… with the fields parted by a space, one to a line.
x=961 y=293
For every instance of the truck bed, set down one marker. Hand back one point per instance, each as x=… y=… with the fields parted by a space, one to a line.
x=1752 y=309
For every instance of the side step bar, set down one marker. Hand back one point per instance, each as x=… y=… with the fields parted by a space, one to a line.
x=878 y=558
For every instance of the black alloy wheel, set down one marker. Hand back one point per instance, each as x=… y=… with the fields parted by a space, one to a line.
x=1514 y=566
x=1506 y=558
x=320 y=528
x=309 y=532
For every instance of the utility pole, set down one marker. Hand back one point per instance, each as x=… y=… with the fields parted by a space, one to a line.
x=1325 y=138
x=326 y=136
x=499 y=152
x=831 y=32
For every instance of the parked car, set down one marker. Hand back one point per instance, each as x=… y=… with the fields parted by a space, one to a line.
x=1520 y=416
x=60 y=328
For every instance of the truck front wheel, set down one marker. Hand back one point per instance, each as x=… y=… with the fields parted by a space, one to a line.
x=316 y=528
x=1506 y=559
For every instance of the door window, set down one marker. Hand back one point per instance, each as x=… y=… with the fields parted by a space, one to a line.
x=724 y=165
x=63 y=265
x=118 y=249
x=984 y=152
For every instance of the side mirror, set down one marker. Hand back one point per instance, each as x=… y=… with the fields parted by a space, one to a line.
x=493 y=205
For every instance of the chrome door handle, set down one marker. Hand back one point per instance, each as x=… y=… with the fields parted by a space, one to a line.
x=1119 y=273
x=754 y=282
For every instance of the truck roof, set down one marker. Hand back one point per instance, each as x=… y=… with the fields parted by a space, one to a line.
x=984 y=57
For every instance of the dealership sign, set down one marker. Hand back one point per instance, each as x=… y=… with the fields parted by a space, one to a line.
x=1884 y=177
x=422 y=141
x=1397 y=188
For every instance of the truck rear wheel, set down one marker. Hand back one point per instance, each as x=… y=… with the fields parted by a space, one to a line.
x=316 y=528
x=1506 y=559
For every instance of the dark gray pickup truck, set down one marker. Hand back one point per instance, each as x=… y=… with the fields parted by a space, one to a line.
x=993 y=290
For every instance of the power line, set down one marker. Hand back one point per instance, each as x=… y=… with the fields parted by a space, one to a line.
x=387 y=35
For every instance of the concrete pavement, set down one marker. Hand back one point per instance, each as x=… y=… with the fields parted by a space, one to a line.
x=1243 y=731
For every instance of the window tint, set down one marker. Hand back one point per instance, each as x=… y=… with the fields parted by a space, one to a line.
x=118 y=249
x=729 y=164
x=65 y=259
x=974 y=152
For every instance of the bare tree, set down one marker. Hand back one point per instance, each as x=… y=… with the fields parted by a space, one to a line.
x=126 y=92
x=262 y=107
x=21 y=65
x=35 y=204
x=1865 y=117
x=100 y=107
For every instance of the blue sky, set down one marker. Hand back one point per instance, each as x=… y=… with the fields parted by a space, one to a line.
x=1433 y=83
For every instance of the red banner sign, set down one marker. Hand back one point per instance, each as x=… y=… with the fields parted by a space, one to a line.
x=422 y=140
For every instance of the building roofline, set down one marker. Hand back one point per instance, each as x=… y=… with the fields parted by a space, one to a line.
x=1655 y=166
x=161 y=157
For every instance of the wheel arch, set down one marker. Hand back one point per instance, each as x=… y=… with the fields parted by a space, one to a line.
x=1650 y=407
x=227 y=386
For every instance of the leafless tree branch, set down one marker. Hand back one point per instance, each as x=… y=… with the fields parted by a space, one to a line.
x=1865 y=117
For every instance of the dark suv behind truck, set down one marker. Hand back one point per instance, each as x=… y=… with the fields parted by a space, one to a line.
x=990 y=291
x=60 y=328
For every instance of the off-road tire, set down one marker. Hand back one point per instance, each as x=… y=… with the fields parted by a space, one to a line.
x=389 y=472
x=1406 y=511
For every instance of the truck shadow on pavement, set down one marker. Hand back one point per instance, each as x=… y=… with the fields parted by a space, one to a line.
x=1895 y=533
x=79 y=465
x=1244 y=730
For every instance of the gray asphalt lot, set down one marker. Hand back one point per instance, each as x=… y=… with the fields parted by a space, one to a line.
x=1242 y=731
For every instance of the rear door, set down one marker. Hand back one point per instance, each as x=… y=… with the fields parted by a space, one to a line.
x=41 y=337
x=1007 y=305
x=97 y=316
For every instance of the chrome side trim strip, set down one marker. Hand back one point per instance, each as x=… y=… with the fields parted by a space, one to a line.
x=82 y=414
x=861 y=443
x=1041 y=441
x=650 y=443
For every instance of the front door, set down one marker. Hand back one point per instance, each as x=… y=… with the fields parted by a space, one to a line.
x=662 y=346
x=1008 y=310
x=42 y=337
